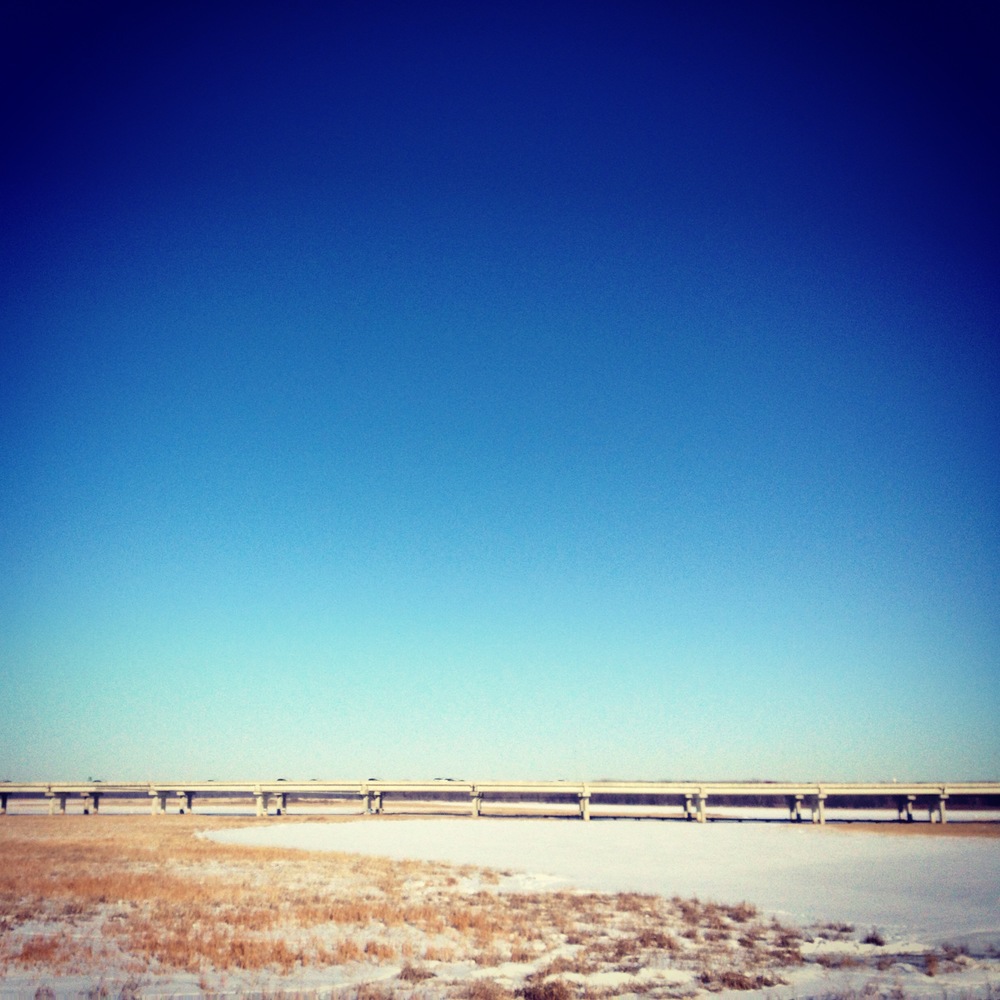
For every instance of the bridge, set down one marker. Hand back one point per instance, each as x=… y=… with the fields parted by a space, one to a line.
x=682 y=799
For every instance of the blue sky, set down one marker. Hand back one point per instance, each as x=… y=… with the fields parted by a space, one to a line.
x=499 y=390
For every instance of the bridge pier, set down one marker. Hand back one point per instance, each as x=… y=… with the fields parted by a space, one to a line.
x=261 y=803
x=700 y=803
x=281 y=803
x=942 y=809
x=585 y=806
x=158 y=803
x=795 y=808
x=904 y=806
x=477 y=805
x=3 y=803
x=937 y=811
x=53 y=798
x=91 y=800
x=373 y=803
x=817 y=806
x=188 y=801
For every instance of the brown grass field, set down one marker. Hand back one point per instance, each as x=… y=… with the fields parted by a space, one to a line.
x=137 y=901
x=960 y=829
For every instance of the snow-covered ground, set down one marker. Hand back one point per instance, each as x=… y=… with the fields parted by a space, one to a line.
x=921 y=892
x=934 y=888
x=934 y=900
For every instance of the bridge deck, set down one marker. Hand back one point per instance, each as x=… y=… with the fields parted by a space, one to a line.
x=690 y=797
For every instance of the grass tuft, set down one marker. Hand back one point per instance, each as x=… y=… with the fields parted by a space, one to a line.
x=551 y=989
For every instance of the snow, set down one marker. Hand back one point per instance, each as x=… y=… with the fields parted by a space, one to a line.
x=918 y=890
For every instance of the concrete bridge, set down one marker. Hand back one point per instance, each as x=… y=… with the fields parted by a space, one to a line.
x=690 y=799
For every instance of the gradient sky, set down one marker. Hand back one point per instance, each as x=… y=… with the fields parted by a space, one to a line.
x=551 y=390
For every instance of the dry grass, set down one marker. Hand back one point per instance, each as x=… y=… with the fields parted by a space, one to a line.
x=834 y=931
x=921 y=829
x=171 y=901
x=551 y=990
x=838 y=960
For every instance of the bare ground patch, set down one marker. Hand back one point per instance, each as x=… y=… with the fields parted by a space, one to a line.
x=893 y=829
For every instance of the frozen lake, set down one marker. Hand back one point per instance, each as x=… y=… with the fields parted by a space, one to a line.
x=914 y=888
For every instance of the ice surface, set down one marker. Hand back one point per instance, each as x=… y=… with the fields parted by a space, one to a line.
x=925 y=888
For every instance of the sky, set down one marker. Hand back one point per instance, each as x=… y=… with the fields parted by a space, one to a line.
x=550 y=390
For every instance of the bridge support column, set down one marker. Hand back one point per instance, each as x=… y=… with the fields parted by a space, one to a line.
x=904 y=805
x=688 y=808
x=158 y=803
x=817 y=806
x=376 y=803
x=795 y=808
x=187 y=802
x=940 y=813
x=281 y=803
x=53 y=798
x=477 y=804
x=3 y=803
x=261 y=801
x=700 y=801
x=91 y=800
x=585 y=806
